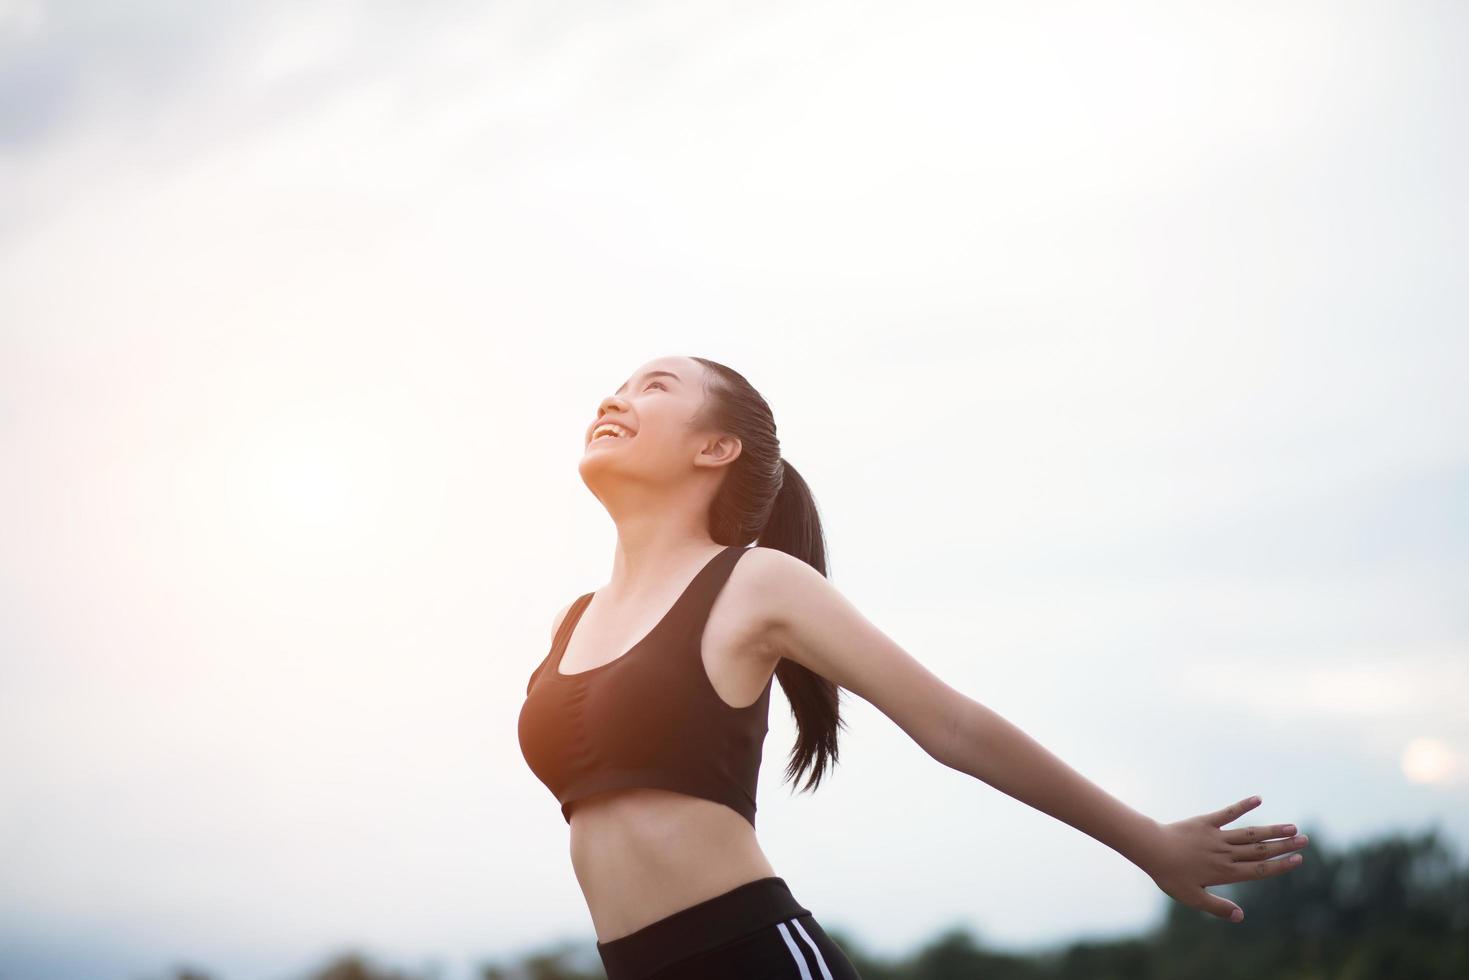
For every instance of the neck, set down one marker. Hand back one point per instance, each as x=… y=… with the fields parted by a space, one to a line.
x=651 y=548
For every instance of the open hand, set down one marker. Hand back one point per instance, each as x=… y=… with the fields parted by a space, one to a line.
x=1192 y=853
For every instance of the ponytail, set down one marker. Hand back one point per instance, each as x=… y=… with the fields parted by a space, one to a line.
x=794 y=526
x=765 y=499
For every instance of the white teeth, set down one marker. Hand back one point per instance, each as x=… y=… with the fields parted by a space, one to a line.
x=610 y=429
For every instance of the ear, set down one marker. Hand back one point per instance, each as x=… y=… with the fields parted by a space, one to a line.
x=719 y=451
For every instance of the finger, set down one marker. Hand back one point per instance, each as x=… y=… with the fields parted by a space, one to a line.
x=1251 y=870
x=1233 y=812
x=1222 y=907
x=1261 y=850
x=1248 y=835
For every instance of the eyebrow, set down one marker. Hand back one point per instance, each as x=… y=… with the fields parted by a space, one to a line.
x=653 y=374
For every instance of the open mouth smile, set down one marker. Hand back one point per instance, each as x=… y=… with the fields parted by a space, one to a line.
x=610 y=430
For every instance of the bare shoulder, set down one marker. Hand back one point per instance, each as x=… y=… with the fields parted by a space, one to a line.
x=746 y=609
x=762 y=566
x=772 y=579
x=761 y=577
x=811 y=622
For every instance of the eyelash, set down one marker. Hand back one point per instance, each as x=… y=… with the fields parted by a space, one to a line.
x=658 y=383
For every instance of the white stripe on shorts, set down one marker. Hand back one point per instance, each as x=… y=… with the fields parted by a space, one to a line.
x=795 y=953
x=814 y=951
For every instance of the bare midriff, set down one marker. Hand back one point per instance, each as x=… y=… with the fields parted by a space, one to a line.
x=643 y=854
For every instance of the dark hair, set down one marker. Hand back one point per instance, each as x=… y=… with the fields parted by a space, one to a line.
x=763 y=499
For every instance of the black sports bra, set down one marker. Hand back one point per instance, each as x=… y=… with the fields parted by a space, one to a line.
x=648 y=718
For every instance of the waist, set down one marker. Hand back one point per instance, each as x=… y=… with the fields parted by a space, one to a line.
x=643 y=854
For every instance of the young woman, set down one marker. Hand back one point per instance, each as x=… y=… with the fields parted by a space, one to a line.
x=647 y=717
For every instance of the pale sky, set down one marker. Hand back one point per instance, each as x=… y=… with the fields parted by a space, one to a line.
x=1122 y=347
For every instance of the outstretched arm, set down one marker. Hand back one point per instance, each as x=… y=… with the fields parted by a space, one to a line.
x=816 y=626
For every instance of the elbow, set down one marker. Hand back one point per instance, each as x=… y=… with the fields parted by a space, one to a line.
x=953 y=746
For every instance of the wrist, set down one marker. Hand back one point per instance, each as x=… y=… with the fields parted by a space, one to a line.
x=1139 y=840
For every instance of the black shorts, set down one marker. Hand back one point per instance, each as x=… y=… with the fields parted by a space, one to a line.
x=757 y=930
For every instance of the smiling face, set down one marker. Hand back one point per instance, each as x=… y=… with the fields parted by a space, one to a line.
x=648 y=429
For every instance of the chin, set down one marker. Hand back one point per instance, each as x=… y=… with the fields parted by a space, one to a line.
x=590 y=464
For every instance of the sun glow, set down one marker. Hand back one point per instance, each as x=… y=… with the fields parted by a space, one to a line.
x=1429 y=760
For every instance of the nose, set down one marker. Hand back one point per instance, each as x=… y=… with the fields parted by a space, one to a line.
x=609 y=402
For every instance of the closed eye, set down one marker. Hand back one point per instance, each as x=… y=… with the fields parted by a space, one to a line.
x=658 y=383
